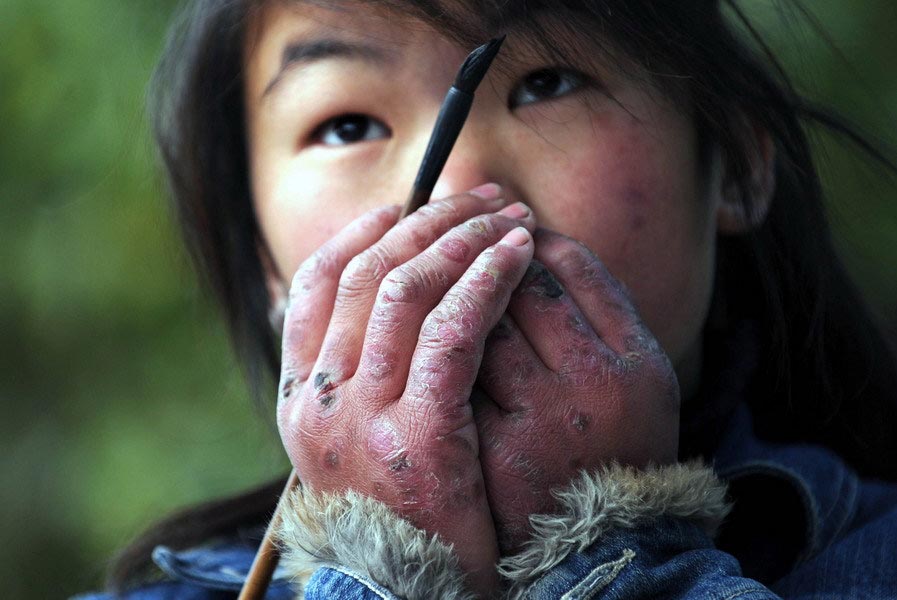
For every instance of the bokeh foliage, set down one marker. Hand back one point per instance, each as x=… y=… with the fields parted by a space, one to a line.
x=121 y=399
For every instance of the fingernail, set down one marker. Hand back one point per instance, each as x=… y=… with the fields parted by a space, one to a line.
x=490 y=191
x=518 y=236
x=518 y=210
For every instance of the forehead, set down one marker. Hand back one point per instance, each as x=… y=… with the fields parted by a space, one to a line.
x=276 y=22
x=283 y=35
x=390 y=28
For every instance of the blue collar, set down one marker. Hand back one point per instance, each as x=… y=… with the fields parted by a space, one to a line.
x=221 y=566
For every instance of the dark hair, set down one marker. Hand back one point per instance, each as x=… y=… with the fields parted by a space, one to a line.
x=827 y=373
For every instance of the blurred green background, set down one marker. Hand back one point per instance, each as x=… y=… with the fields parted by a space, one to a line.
x=121 y=399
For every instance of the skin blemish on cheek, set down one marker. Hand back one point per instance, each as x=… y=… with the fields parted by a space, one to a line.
x=331 y=459
x=635 y=197
x=327 y=399
x=540 y=281
x=639 y=204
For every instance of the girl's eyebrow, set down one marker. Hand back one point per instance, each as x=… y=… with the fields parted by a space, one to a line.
x=296 y=53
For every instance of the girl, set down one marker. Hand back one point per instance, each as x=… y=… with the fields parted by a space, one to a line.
x=615 y=356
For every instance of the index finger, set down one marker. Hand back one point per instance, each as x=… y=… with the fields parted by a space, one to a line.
x=314 y=287
x=450 y=346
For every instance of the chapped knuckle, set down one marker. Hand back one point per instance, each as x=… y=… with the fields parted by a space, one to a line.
x=458 y=204
x=365 y=271
x=481 y=226
x=441 y=209
x=402 y=285
x=403 y=274
x=424 y=213
x=463 y=305
x=486 y=224
x=586 y=379
x=580 y=355
x=430 y=330
x=291 y=383
x=322 y=264
x=441 y=333
x=622 y=368
x=454 y=247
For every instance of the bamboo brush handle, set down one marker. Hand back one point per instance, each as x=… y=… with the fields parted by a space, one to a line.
x=266 y=559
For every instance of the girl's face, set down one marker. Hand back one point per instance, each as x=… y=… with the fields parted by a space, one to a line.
x=340 y=107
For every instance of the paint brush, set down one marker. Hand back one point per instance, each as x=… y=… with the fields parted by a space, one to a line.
x=267 y=557
x=452 y=115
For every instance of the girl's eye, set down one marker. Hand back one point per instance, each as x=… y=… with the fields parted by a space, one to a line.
x=546 y=84
x=350 y=129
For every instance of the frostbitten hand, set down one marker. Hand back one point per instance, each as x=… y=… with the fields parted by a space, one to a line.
x=382 y=344
x=571 y=379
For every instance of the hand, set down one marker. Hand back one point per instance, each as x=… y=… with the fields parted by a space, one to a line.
x=571 y=379
x=380 y=354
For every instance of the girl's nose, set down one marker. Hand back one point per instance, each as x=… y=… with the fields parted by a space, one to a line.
x=477 y=158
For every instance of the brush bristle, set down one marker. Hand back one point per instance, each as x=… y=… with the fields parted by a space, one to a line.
x=475 y=66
